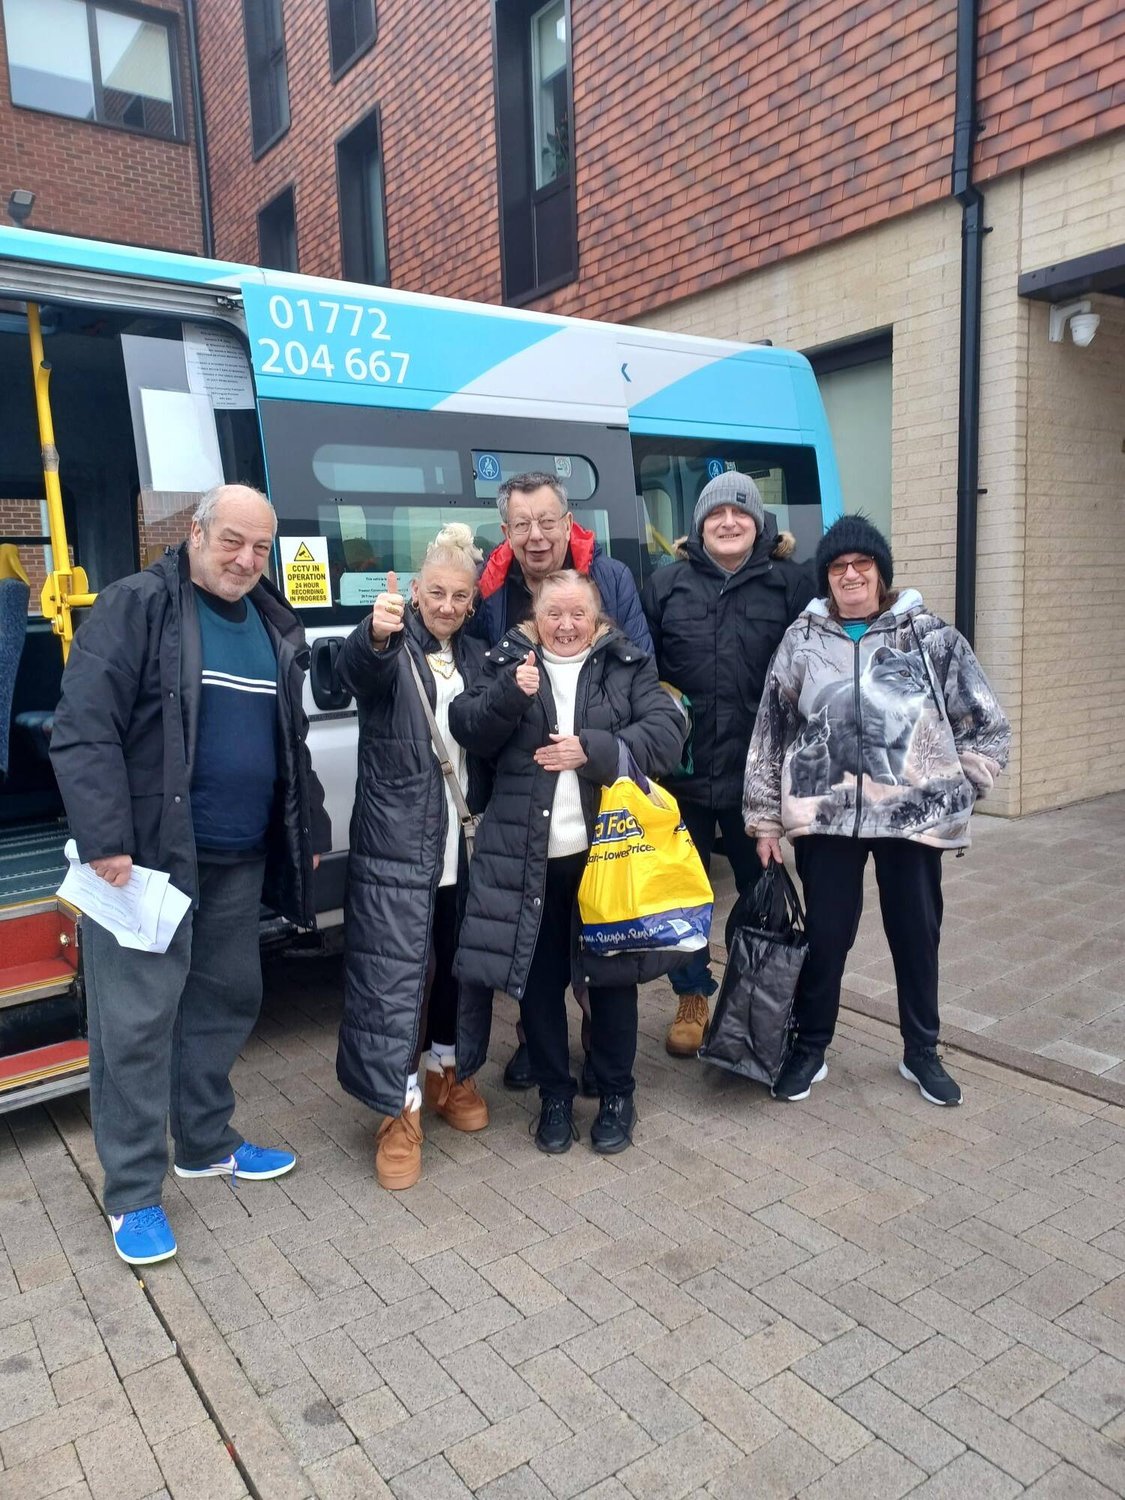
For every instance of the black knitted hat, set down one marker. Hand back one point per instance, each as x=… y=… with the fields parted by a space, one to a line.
x=852 y=534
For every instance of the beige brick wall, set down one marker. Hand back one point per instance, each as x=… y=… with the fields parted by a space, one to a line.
x=1074 y=646
x=1052 y=424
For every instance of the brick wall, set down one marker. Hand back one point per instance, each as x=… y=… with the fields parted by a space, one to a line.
x=1074 y=653
x=710 y=141
x=1052 y=76
x=25 y=518
x=95 y=180
x=430 y=73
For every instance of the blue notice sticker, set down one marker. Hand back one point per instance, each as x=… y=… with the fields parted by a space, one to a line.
x=715 y=467
x=488 y=467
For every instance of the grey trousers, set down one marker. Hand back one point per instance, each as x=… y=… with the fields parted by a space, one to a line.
x=165 y=1030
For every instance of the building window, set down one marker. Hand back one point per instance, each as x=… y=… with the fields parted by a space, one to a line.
x=534 y=109
x=359 y=174
x=265 y=64
x=277 y=233
x=855 y=386
x=351 y=30
x=94 y=62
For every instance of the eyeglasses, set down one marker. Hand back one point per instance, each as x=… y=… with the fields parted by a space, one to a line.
x=548 y=525
x=860 y=564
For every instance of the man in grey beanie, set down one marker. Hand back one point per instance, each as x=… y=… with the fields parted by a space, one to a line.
x=731 y=489
x=716 y=618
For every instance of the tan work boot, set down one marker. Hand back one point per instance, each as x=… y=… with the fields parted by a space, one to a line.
x=685 y=1035
x=459 y=1104
x=398 y=1151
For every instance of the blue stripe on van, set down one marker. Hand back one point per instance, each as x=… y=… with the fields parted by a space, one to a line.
x=740 y=391
x=422 y=353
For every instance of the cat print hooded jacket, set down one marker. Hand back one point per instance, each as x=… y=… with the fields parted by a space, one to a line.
x=895 y=735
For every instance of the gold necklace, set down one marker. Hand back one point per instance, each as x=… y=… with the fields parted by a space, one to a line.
x=440 y=665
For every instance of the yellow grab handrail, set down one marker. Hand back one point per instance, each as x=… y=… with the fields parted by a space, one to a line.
x=67 y=588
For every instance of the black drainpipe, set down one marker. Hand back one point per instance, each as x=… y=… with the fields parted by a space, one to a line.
x=200 y=133
x=973 y=230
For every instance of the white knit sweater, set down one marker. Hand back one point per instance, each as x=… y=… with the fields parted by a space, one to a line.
x=568 y=822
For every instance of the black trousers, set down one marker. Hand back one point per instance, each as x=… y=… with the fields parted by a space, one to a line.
x=439 y=1001
x=613 y=1008
x=909 y=875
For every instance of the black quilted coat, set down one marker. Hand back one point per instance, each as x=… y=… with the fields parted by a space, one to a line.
x=397 y=848
x=714 y=634
x=619 y=699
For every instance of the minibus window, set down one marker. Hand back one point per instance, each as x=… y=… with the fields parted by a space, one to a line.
x=576 y=474
x=671 y=473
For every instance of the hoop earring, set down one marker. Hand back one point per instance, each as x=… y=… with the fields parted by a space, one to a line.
x=470 y=612
x=414 y=605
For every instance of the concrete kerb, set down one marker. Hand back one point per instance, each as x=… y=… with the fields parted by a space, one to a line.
x=267 y=1464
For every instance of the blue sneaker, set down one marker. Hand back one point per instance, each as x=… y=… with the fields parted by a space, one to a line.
x=255 y=1163
x=144 y=1236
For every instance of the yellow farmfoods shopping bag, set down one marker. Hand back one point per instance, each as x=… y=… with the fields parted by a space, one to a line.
x=644 y=886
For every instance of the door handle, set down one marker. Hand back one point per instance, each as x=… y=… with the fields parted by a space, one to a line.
x=329 y=693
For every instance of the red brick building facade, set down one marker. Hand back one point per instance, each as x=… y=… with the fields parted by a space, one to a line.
x=708 y=142
x=101 y=180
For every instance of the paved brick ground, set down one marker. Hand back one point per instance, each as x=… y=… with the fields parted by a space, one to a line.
x=1033 y=951
x=857 y=1295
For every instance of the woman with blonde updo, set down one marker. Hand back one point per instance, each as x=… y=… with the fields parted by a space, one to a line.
x=407 y=868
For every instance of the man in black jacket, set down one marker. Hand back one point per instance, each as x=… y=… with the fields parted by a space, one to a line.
x=716 y=619
x=179 y=745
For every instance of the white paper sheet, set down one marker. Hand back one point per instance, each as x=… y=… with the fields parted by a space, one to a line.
x=183 y=446
x=142 y=914
x=217 y=366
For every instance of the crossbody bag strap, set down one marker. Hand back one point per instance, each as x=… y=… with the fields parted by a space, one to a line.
x=468 y=822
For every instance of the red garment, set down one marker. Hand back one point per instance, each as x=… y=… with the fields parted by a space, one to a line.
x=582 y=544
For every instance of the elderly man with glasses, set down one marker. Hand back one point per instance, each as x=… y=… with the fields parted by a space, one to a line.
x=540 y=537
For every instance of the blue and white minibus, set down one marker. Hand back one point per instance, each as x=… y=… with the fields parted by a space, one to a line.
x=371 y=416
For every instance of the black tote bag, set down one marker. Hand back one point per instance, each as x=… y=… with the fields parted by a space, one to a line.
x=751 y=1031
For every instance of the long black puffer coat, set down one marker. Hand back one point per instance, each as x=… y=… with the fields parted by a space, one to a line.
x=619 y=699
x=715 y=633
x=397 y=849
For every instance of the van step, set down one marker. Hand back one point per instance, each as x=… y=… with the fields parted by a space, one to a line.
x=43 y=1065
x=38 y=951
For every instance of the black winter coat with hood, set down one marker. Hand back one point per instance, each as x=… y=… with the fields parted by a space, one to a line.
x=124 y=735
x=619 y=700
x=715 y=633
x=397 y=849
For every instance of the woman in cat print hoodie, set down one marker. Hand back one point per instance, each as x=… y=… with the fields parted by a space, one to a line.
x=877 y=733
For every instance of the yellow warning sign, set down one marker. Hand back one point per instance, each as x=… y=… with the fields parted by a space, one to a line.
x=304 y=562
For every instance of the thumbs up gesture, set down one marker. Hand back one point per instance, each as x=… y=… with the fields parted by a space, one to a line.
x=386 y=614
x=527 y=675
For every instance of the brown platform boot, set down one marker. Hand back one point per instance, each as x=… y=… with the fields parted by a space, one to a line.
x=459 y=1104
x=686 y=1033
x=398 y=1150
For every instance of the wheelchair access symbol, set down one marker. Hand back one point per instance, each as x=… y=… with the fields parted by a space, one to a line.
x=488 y=466
x=715 y=467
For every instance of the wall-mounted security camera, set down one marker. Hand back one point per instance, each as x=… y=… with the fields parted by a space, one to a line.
x=1083 y=323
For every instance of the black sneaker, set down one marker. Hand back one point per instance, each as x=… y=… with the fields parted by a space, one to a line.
x=556 y=1129
x=924 y=1068
x=612 y=1131
x=804 y=1068
x=588 y=1080
x=518 y=1075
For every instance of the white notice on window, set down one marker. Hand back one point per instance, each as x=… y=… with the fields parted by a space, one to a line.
x=183 y=446
x=217 y=366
